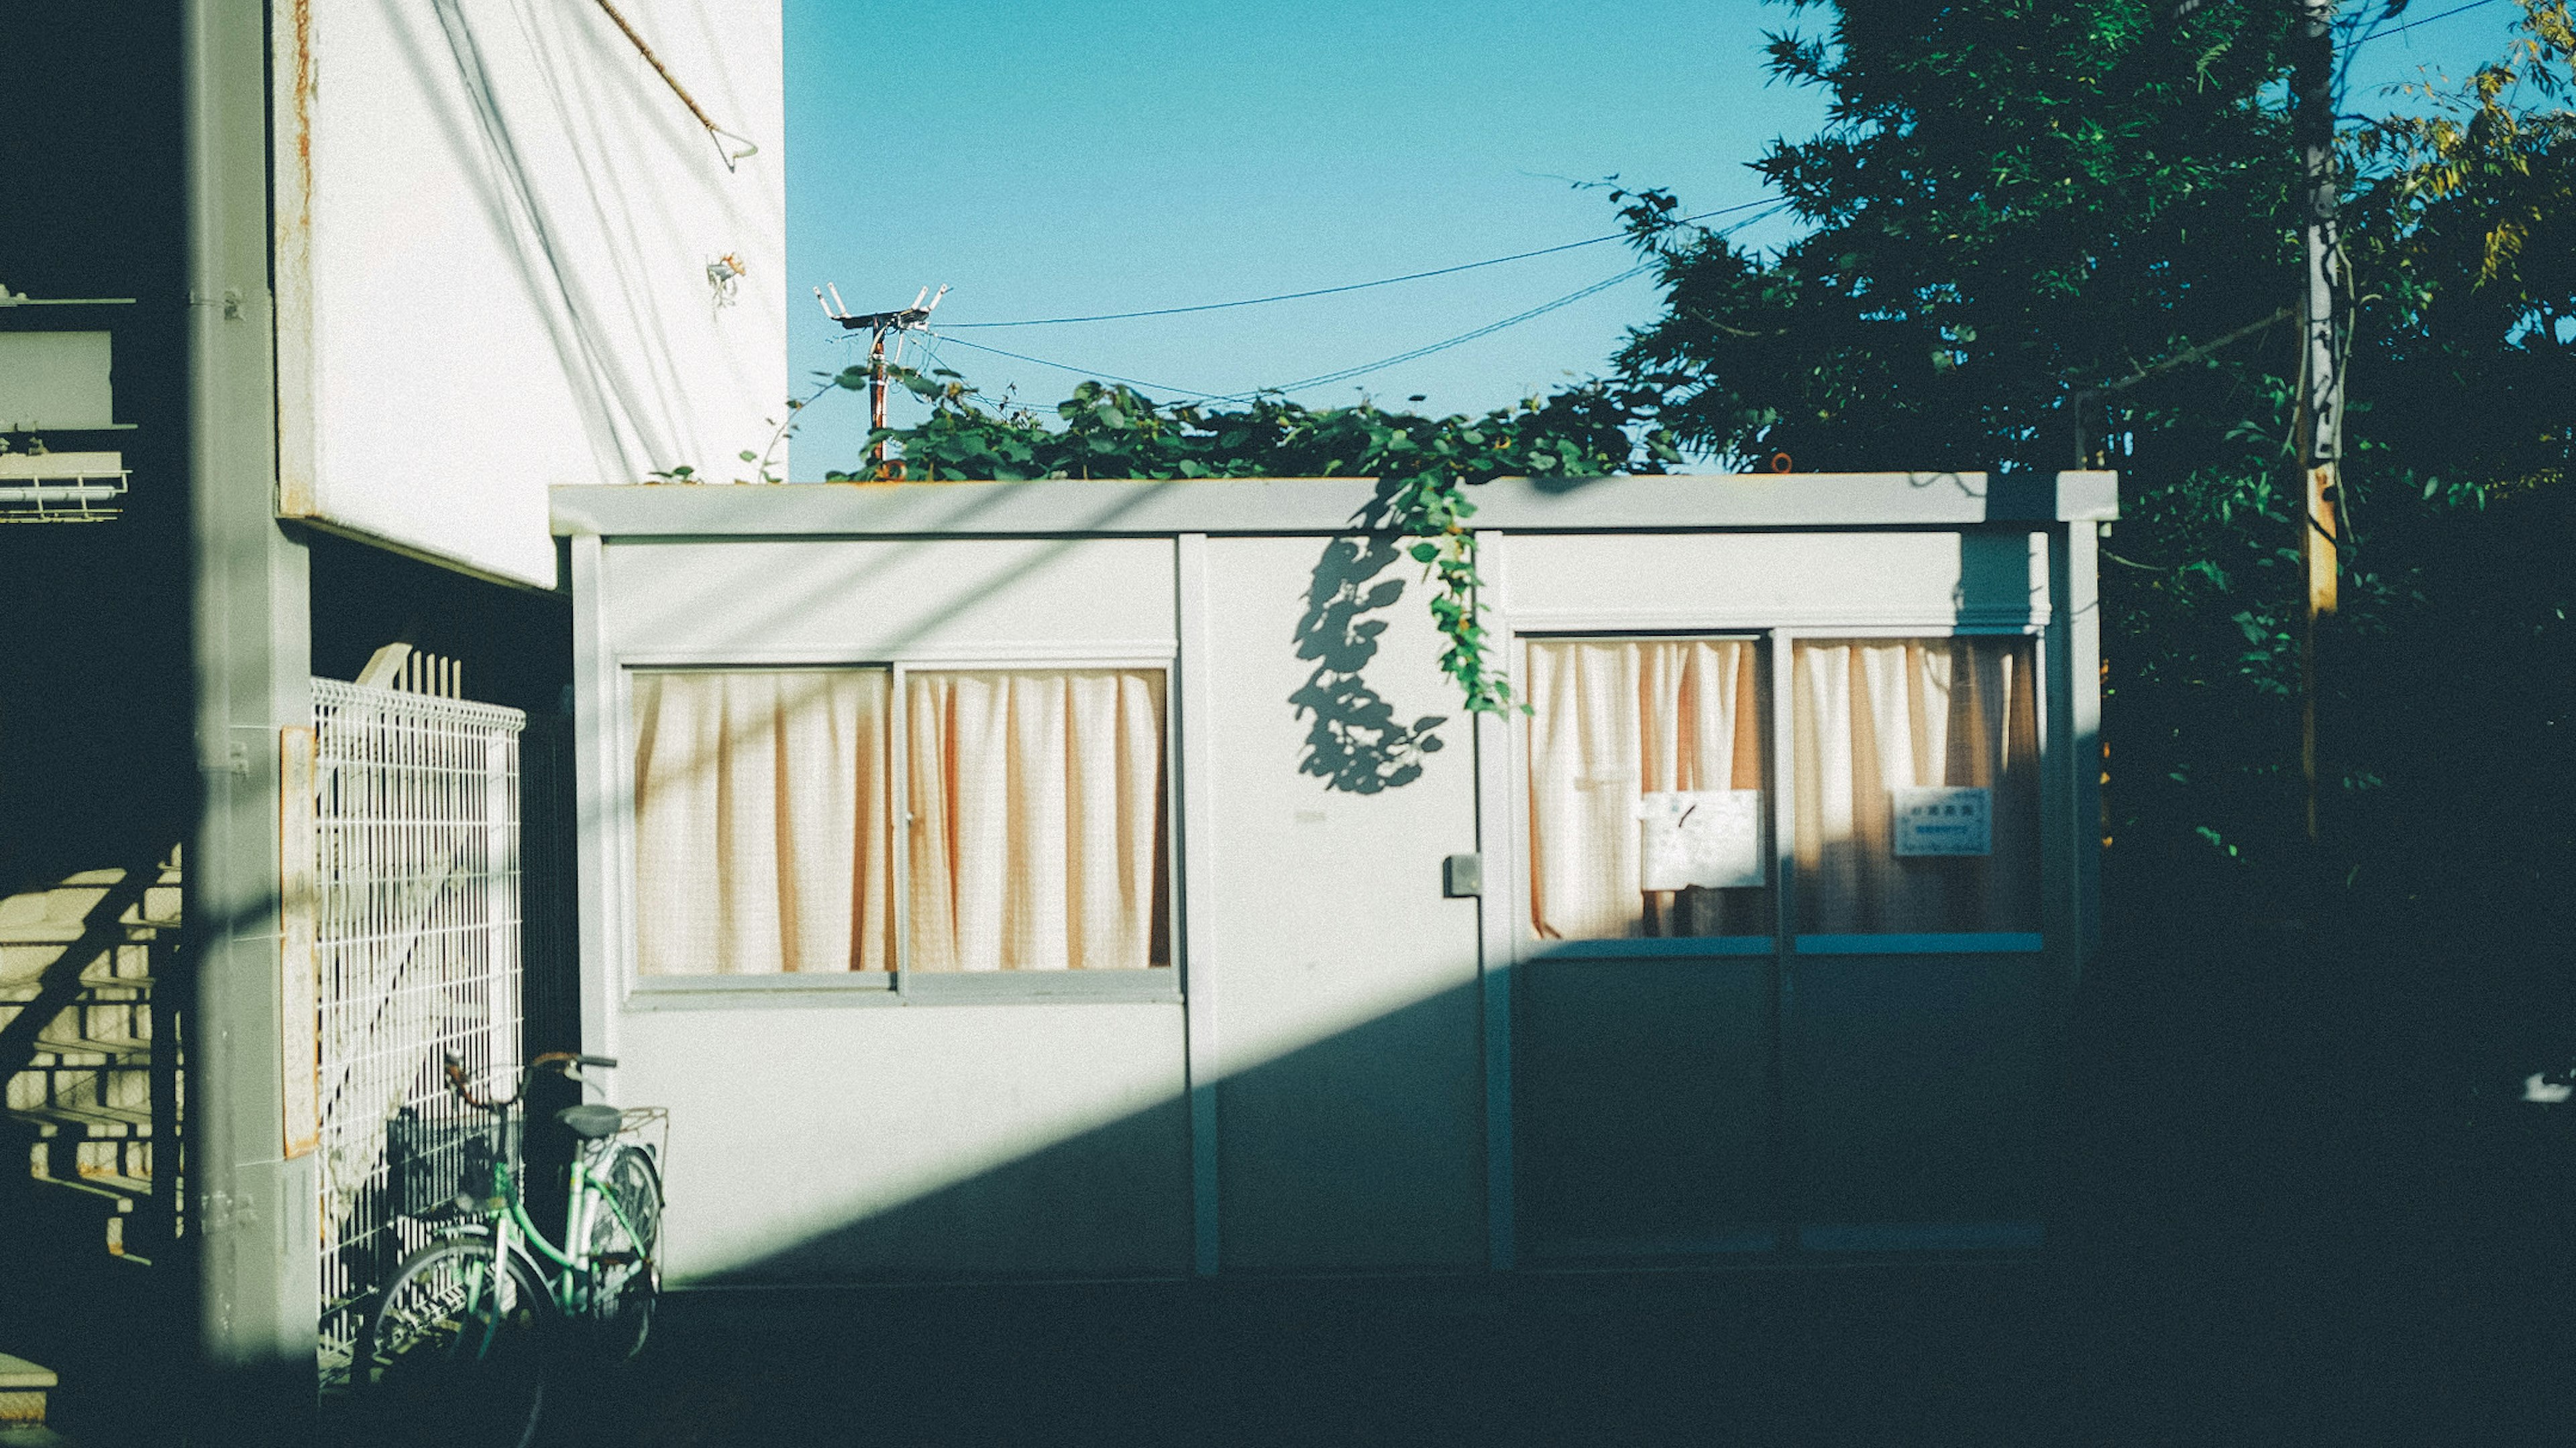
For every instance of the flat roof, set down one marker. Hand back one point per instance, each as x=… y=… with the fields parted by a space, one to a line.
x=1627 y=503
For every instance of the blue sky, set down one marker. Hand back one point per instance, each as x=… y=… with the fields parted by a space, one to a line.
x=1080 y=156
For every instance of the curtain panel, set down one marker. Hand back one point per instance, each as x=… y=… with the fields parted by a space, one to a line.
x=1611 y=722
x=762 y=837
x=1037 y=820
x=1874 y=716
x=765 y=830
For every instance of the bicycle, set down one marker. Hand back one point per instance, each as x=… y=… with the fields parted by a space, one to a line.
x=469 y=1328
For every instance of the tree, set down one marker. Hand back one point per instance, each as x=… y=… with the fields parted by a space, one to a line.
x=2018 y=216
x=2010 y=200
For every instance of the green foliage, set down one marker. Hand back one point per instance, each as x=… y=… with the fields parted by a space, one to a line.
x=1425 y=466
x=2014 y=212
x=2009 y=199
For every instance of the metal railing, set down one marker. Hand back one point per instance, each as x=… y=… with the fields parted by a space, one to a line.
x=416 y=945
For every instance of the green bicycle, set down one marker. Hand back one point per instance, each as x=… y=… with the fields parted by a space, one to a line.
x=470 y=1327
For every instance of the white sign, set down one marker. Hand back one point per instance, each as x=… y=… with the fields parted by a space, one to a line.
x=1945 y=819
x=1711 y=838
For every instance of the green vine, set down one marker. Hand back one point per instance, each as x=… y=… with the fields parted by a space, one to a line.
x=1425 y=466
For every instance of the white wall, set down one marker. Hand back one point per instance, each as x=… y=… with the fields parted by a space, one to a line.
x=855 y=601
x=1770 y=580
x=1350 y=1098
x=822 y=1143
x=1336 y=999
x=494 y=223
x=823 y=1135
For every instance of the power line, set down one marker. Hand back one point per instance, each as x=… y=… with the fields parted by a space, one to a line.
x=2379 y=34
x=1487 y=330
x=1321 y=379
x=1345 y=374
x=1081 y=371
x=1353 y=286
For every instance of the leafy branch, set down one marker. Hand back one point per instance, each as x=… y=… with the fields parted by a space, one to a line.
x=1425 y=465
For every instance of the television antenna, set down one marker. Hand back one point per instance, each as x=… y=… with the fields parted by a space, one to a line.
x=877 y=324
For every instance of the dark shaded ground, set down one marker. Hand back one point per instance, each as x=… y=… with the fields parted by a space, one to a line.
x=2297 y=1201
x=2261 y=1338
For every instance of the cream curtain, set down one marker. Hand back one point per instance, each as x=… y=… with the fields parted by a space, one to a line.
x=762 y=842
x=1872 y=716
x=1611 y=722
x=1037 y=820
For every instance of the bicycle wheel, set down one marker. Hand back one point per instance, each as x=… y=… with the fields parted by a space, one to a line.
x=627 y=1252
x=448 y=1359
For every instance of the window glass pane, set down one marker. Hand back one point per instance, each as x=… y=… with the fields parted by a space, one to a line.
x=1917 y=785
x=762 y=841
x=1645 y=781
x=1036 y=840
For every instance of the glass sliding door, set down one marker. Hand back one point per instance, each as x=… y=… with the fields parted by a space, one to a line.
x=1914 y=1014
x=1778 y=994
x=1643 y=1051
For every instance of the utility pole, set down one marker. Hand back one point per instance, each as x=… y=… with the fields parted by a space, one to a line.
x=2321 y=371
x=877 y=325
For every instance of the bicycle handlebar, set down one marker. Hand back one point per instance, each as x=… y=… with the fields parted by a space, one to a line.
x=561 y=1061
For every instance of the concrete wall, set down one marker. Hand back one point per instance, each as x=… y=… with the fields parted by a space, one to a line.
x=493 y=228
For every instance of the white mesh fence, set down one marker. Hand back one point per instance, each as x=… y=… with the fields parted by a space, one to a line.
x=416 y=941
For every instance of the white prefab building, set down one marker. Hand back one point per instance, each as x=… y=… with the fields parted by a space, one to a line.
x=1100 y=877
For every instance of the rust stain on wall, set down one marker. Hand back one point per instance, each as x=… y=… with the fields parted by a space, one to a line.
x=297 y=491
x=304 y=107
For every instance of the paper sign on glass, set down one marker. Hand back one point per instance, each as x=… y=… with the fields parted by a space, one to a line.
x=1944 y=819
x=1711 y=838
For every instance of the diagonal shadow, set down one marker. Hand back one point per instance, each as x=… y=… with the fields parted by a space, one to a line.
x=102 y=929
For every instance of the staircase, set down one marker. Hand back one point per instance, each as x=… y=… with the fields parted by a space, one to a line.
x=89 y=1054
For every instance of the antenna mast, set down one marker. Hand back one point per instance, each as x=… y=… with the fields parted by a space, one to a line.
x=877 y=325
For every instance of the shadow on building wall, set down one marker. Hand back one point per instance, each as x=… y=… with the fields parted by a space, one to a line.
x=1648 y=1128
x=1354 y=742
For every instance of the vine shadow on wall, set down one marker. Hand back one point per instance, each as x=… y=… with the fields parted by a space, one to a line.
x=1355 y=742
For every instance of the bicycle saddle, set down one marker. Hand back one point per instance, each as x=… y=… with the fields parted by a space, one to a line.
x=591 y=1120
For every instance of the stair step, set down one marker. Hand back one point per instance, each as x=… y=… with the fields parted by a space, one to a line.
x=92 y=1121
x=119 y=1046
x=23 y=1386
x=118 y=1193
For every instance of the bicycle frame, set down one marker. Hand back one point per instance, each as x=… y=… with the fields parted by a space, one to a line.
x=567 y=1272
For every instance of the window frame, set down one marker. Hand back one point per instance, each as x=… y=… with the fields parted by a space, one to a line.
x=1779 y=783
x=1528 y=945
x=1945 y=942
x=901 y=986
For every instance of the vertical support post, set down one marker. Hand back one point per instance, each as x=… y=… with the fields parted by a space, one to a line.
x=2062 y=760
x=254 y=1228
x=877 y=395
x=2077 y=591
x=2321 y=393
x=1788 y=1209
x=299 y=1021
x=599 y=875
x=169 y=1126
x=1197 y=715
x=1499 y=833
x=500 y=930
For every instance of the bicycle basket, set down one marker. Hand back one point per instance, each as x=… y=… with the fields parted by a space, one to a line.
x=433 y=1161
